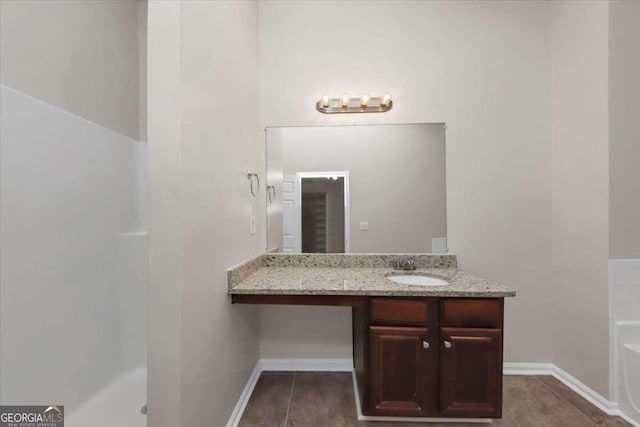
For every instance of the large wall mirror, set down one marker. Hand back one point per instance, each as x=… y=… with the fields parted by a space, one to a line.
x=356 y=189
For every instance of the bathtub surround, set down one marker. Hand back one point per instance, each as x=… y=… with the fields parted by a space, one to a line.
x=628 y=369
x=625 y=290
x=72 y=253
x=124 y=393
x=625 y=335
x=131 y=293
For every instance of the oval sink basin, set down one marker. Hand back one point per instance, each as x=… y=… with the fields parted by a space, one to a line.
x=414 y=279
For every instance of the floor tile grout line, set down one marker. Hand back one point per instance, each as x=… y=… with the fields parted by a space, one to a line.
x=510 y=415
x=567 y=401
x=293 y=383
x=505 y=408
x=512 y=418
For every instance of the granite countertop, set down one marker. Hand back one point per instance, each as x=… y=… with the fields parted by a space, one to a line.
x=283 y=274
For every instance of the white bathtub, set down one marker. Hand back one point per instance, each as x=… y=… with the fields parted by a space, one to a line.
x=628 y=375
x=118 y=403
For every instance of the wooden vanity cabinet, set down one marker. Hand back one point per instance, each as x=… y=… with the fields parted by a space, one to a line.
x=431 y=357
x=420 y=357
x=471 y=372
x=397 y=365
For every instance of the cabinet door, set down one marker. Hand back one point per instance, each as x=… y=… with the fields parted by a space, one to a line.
x=471 y=372
x=397 y=358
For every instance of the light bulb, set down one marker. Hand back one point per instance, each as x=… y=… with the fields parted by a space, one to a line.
x=386 y=99
x=344 y=100
x=325 y=100
x=364 y=100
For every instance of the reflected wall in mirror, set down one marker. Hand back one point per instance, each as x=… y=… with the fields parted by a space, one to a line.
x=356 y=189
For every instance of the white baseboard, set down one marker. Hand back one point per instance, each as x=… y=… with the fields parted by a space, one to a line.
x=528 y=369
x=604 y=404
x=596 y=399
x=236 y=415
x=634 y=423
x=346 y=365
x=307 y=365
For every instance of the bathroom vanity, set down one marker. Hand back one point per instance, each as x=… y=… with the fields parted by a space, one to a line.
x=418 y=351
x=427 y=343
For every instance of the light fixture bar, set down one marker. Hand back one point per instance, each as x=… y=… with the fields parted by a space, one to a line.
x=346 y=104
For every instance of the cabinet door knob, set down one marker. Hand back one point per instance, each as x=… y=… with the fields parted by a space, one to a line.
x=425 y=344
x=447 y=344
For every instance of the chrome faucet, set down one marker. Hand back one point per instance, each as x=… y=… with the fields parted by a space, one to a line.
x=408 y=264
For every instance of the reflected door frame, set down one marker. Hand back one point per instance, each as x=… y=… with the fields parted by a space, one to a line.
x=347 y=209
x=291 y=238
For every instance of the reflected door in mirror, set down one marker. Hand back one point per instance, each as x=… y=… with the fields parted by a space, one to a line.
x=323 y=214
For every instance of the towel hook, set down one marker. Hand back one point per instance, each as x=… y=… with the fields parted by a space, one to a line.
x=271 y=192
x=250 y=175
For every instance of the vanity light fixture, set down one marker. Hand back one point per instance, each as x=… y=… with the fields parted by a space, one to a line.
x=386 y=100
x=345 y=100
x=345 y=104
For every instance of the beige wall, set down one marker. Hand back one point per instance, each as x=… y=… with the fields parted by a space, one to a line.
x=580 y=191
x=624 y=131
x=481 y=67
x=200 y=149
x=81 y=56
x=165 y=251
x=527 y=149
x=219 y=142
